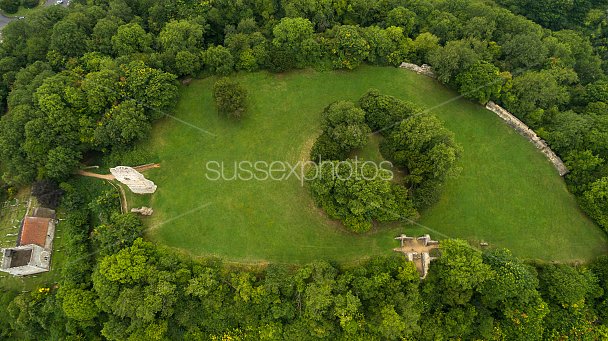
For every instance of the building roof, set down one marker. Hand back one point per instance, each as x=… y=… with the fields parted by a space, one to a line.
x=34 y=231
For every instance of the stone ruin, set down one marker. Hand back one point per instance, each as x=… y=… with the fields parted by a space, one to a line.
x=136 y=182
x=529 y=134
x=511 y=120
x=418 y=250
x=146 y=211
x=423 y=69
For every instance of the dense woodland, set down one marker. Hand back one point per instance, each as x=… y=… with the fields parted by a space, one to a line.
x=91 y=79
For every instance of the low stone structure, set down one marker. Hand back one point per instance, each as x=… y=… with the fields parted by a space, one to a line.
x=528 y=133
x=136 y=182
x=32 y=254
x=511 y=120
x=422 y=69
x=418 y=250
x=147 y=211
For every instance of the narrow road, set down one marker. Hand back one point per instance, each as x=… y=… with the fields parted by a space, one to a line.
x=5 y=20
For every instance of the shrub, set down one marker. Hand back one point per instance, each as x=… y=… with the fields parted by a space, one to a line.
x=9 y=6
x=280 y=60
x=325 y=148
x=383 y=112
x=30 y=3
x=230 y=98
x=129 y=157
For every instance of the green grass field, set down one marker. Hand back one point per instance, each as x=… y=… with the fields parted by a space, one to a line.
x=508 y=194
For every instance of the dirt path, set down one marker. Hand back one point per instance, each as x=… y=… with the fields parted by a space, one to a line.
x=146 y=167
x=123 y=196
x=124 y=208
x=111 y=177
x=95 y=175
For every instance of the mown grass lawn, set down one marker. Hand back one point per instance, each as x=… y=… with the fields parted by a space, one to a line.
x=507 y=194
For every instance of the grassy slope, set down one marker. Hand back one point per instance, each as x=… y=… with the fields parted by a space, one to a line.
x=508 y=194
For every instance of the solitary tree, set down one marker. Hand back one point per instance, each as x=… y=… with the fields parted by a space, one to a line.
x=230 y=98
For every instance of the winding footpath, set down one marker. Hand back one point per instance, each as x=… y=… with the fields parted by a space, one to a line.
x=109 y=177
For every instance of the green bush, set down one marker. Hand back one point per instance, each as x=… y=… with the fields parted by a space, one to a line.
x=129 y=157
x=230 y=98
x=9 y=6
x=325 y=148
x=383 y=112
x=280 y=60
x=30 y=3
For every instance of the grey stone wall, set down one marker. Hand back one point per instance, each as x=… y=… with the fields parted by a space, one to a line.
x=528 y=133
x=423 y=69
x=511 y=120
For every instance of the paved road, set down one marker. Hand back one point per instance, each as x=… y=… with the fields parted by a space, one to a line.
x=4 y=20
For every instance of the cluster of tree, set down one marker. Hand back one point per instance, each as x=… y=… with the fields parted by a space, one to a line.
x=99 y=105
x=357 y=192
x=344 y=130
x=94 y=76
x=555 y=14
x=120 y=287
x=414 y=140
x=137 y=290
x=230 y=98
x=12 y=6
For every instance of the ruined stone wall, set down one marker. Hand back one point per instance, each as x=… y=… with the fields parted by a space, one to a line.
x=528 y=133
x=511 y=120
x=423 y=69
